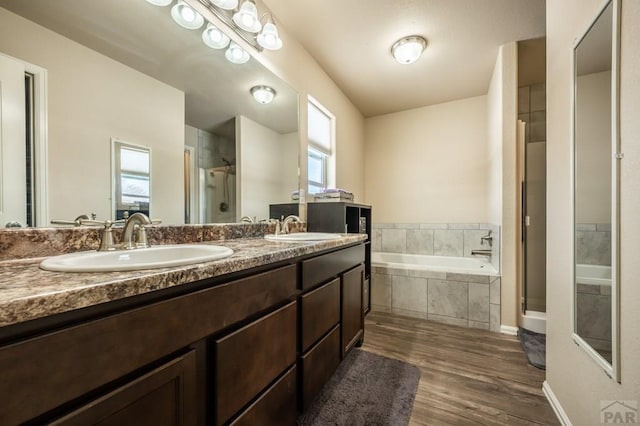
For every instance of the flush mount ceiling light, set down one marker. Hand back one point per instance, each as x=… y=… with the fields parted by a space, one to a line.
x=408 y=49
x=160 y=2
x=236 y=54
x=247 y=17
x=186 y=17
x=263 y=94
x=214 y=38
x=269 y=38
x=225 y=4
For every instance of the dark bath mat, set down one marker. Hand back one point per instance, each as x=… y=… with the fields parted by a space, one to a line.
x=535 y=347
x=366 y=389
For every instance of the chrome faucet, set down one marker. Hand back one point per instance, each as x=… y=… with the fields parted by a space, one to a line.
x=139 y=220
x=487 y=239
x=248 y=219
x=481 y=252
x=284 y=228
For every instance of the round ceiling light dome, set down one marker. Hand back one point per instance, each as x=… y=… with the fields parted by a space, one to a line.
x=408 y=49
x=263 y=94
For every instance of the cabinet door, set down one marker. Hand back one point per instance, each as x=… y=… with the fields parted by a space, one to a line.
x=249 y=359
x=164 y=396
x=352 y=314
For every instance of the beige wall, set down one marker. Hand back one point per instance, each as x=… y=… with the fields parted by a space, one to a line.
x=91 y=99
x=429 y=165
x=298 y=68
x=502 y=195
x=263 y=175
x=575 y=379
x=593 y=196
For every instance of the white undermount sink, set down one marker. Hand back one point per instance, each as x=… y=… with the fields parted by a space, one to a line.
x=132 y=260
x=303 y=236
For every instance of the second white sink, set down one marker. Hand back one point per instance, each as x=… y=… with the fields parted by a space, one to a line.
x=132 y=260
x=303 y=236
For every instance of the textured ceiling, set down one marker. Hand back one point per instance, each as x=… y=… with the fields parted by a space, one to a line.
x=351 y=40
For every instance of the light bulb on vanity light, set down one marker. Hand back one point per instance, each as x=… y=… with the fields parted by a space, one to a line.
x=269 y=38
x=160 y=2
x=214 y=38
x=225 y=4
x=236 y=54
x=263 y=94
x=247 y=17
x=186 y=17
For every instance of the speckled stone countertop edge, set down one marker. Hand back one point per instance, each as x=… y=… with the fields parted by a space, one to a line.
x=28 y=293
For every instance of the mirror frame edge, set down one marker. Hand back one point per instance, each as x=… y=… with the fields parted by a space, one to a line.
x=612 y=370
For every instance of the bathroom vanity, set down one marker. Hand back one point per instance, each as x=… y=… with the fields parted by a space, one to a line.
x=250 y=339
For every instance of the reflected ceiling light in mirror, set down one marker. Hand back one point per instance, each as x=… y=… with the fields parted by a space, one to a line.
x=263 y=94
x=186 y=17
x=408 y=49
x=160 y=2
x=269 y=38
x=225 y=4
x=214 y=38
x=236 y=54
x=247 y=17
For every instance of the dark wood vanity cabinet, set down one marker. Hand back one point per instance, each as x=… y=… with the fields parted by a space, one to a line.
x=332 y=318
x=166 y=396
x=246 y=351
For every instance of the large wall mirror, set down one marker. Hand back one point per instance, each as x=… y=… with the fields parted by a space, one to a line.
x=123 y=69
x=595 y=145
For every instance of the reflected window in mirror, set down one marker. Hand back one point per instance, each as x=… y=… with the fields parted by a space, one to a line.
x=321 y=135
x=131 y=179
x=595 y=200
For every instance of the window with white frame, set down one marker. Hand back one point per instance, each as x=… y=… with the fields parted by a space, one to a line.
x=132 y=177
x=321 y=124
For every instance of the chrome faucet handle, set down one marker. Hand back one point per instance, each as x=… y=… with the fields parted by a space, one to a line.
x=141 y=237
x=106 y=239
x=156 y=221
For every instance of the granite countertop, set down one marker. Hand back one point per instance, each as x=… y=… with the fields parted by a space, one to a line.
x=27 y=292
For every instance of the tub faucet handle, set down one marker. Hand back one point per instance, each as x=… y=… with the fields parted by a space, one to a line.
x=487 y=239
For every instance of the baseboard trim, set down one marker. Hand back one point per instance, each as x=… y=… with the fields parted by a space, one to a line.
x=508 y=329
x=555 y=404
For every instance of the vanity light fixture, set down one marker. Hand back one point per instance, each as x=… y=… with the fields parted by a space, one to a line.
x=236 y=54
x=263 y=94
x=408 y=49
x=160 y=2
x=247 y=17
x=269 y=38
x=225 y=4
x=186 y=17
x=214 y=38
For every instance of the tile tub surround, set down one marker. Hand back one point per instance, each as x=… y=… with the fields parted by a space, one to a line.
x=27 y=243
x=443 y=239
x=459 y=299
x=27 y=292
x=593 y=244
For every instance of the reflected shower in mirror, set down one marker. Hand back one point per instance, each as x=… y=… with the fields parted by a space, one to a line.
x=124 y=69
x=595 y=203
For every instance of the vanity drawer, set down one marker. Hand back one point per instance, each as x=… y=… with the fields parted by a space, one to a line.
x=321 y=268
x=247 y=360
x=66 y=364
x=277 y=406
x=319 y=311
x=318 y=365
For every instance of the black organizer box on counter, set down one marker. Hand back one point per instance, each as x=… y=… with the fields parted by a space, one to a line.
x=339 y=217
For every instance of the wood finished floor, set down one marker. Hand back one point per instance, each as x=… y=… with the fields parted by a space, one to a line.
x=469 y=377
